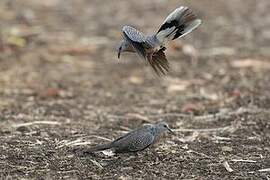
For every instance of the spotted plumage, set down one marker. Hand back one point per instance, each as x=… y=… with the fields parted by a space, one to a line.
x=151 y=48
x=136 y=140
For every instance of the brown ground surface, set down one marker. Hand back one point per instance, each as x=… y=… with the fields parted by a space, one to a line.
x=61 y=84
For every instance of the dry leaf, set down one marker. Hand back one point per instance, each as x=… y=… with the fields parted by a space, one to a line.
x=191 y=108
x=16 y=41
x=108 y=153
x=49 y=92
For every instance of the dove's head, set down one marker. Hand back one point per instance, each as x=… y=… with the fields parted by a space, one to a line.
x=163 y=127
x=124 y=46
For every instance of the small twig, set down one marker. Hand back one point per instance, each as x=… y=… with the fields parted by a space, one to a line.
x=171 y=115
x=203 y=130
x=198 y=153
x=227 y=166
x=125 y=128
x=68 y=143
x=243 y=160
x=36 y=122
x=100 y=137
x=221 y=138
x=264 y=170
x=96 y=163
x=79 y=142
x=117 y=116
x=131 y=116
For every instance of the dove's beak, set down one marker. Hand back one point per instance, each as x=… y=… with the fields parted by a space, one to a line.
x=119 y=52
x=171 y=131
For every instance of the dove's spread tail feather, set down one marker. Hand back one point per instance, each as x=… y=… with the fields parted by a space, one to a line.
x=179 y=23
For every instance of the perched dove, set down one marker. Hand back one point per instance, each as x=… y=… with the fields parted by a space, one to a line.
x=151 y=48
x=136 y=140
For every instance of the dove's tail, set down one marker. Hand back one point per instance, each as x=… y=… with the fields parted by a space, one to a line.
x=99 y=147
x=179 y=23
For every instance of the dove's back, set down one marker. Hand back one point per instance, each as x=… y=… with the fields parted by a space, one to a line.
x=136 y=140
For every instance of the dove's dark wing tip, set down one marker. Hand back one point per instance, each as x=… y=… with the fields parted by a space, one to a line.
x=179 y=23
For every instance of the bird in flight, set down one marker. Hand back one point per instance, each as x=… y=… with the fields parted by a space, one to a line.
x=151 y=48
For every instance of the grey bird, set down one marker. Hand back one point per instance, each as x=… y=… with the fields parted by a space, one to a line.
x=136 y=140
x=151 y=48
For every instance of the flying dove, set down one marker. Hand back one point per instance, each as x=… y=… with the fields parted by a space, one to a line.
x=151 y=48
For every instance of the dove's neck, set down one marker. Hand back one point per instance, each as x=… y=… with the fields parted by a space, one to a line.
x=126 y=46
x=153 y=41
x=155 y=130
x=152 y=129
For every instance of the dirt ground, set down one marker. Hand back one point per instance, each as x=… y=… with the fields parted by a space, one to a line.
x=62 y=87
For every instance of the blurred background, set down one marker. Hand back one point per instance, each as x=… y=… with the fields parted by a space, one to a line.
x=58 y=64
